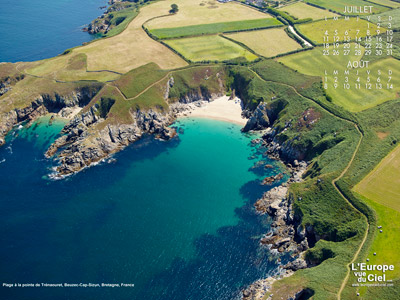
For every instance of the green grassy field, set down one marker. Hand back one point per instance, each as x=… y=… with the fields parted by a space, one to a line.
x=353 y=99
x=315 y=31
x=135 y=81
x=210 y=48
x=301 y=10
x=339 y=5
x=386 y=244
x=383 y=18
x=198 y=12
x=383 y=184
x=193 y=30
x=69 y=67
x=389 y=3
x=263 y=42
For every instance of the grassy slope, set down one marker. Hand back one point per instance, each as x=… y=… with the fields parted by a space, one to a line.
x=135 y=81
x=329 y=143
x=263 y=42
x=382 y=118
x=146 y=87
x=383 y=184
x=30 y=88
x=213 y=28
x=69 y=67
x=326 y=277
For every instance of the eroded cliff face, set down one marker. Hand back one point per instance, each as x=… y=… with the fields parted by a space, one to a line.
x=44 y=104
x=6 y=83
x=81 y=146
x=88 y=138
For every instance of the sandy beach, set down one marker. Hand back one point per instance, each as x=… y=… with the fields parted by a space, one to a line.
x=220 y=109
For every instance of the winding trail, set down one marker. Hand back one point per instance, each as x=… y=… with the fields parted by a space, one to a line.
x=143 y=91
x=335 y=180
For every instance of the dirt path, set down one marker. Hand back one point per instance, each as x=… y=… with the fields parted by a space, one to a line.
x=334 y=181
x=346 y=279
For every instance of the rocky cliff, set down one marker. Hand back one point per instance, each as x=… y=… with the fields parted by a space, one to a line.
x=83 y=143
x=44 y=104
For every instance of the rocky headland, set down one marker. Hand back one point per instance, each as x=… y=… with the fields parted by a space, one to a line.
x=104 y=23
x=83 y=143
x=287 y=235
x=63 y=105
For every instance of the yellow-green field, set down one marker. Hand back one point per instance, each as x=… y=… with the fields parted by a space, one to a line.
x=386 y=243
x=339 y=5
x=133 y=47
x=386 y=3
x=209 y=48
x=70 y=67
x=265 y=42
x=302 y=10
x=315 y=31
x=354 y=99
x=382 y=185
x=196 y=12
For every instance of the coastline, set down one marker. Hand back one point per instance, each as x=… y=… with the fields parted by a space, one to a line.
x=222 y=109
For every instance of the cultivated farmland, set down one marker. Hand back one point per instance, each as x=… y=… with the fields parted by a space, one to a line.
x=382 y=185
x=353 y=99
x=315 y=31
x=197 y=12
x=264 y=42
x=193 y=30
x=209 y=48
x=383 y=18
x=339 y=5
x=386 y=3
x=71 y=67
x=301 y=10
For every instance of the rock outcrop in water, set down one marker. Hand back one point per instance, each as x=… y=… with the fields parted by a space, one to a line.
x=82 y=148
x=44 y=104
x=287 y=233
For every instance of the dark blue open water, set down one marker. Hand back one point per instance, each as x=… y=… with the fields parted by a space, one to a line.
x=174 y=218
x=34 y=30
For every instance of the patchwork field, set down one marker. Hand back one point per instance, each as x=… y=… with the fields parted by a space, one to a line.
x=339 y=5
x=192 y=30
x=302 y=10
x=382 y=185
x=71 y=67
x=209 y=48
x=383 y=18
x=263 y=42
x=197 y=12
x=315 y=31
x=353 y=99
x=386 y=3
x=133 y=47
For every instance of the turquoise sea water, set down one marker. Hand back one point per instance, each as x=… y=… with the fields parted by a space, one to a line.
x=33 y=30
x=175 y=218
